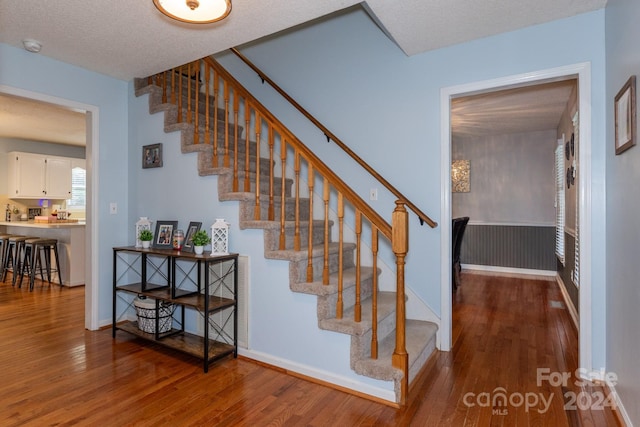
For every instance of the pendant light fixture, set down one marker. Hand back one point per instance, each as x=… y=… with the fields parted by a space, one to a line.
x=195 y=11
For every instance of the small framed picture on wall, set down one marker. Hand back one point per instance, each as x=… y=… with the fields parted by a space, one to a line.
x=152 y=156
x=625 y=116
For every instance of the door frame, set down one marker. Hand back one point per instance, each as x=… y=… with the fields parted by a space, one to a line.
x=583 y=73
x=91 y=228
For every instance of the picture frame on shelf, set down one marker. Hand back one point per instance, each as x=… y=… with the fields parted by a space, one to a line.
x=152 y=156
x=625 y=116
x=188 y=242
x=162 y=239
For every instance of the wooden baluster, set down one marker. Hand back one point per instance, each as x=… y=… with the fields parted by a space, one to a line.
x=247 y=119
x=310 y=227
x=196 y=122
x=339 y=304
x=216 y=82
x=374 y=293
x=271 y=212
x=296 y=234
x=256 y=210
x=226 y=124
x=325 y=197
x=189 y=118
x=180 y=95
x=173 y=86
x=400 y=245
x=283 y=197
x=357 y=313
x=236 y=142
x=207 y=122
x=164 y=87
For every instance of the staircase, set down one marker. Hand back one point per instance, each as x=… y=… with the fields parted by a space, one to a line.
x=300 y=204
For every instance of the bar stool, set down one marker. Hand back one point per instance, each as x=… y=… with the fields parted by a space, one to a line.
x=11 y=260
x=45 y=246
x=25 y=259
x=3 y=245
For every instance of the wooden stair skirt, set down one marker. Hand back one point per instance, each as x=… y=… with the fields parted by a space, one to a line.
x=279 y=237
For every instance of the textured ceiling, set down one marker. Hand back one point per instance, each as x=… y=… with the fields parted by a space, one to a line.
x=524 y=109
x=22 y=118
x=126 y=39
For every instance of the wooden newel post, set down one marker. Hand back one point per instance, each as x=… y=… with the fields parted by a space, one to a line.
x=400 y=245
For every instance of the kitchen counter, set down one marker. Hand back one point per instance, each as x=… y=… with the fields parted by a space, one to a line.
x=31 y=224
x=71 y=245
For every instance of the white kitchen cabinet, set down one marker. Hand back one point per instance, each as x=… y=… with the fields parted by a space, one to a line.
x=36 y=176
x=58 y=178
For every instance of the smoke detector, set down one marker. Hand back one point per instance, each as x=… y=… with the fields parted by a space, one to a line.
x=32 y=45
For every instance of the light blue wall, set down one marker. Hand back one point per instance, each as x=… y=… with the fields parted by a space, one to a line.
x=386 y=107
x=37 y=73
x=623 y=210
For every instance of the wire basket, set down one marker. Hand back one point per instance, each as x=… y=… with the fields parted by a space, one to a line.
x=146 y=313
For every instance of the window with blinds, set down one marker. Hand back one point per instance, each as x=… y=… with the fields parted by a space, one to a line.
x=76 y=204
x=560 y=201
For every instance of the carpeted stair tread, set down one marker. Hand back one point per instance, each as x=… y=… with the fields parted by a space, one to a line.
x=301 y=255
x=320 y=289
x=346 y=325
x=420 y=336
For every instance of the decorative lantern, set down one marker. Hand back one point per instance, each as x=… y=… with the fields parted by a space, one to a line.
x=220 y=237
x=143 y=224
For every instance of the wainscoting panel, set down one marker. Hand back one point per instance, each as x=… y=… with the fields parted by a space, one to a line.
x=517 y=246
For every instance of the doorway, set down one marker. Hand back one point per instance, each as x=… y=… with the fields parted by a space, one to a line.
x=582 y=73
x=91 y=116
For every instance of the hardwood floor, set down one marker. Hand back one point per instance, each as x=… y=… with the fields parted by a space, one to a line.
x=56 y=373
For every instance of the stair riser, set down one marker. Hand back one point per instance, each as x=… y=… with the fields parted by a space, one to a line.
x=327 y=303
x=298 y=269
x=248 y=213
x=208 y=161
x=361 y=345
x=272 y=238
x=172 y=118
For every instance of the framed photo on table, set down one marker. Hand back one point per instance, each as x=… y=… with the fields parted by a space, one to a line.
x=188 y=240
x=164 y=233
x=625 y=116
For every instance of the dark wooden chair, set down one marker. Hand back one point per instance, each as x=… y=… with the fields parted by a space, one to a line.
x=459 y=225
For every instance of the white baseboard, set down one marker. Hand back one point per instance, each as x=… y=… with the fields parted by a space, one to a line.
x=508 y=271
x=622 y=412
x=567 y=302
x=325 y=376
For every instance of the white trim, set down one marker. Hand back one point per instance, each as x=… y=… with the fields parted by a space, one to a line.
x=322 y=375
x=583 y=71
x=618 y=404
x=509 y=270
x=512 y=224
x=567 y=301
x=91 y=236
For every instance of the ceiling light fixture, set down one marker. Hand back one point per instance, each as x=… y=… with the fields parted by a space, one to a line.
x=195 y=11
x=32 y=45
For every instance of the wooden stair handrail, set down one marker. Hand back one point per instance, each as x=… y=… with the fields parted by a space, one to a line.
x=330 y=136
x=319 y=165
